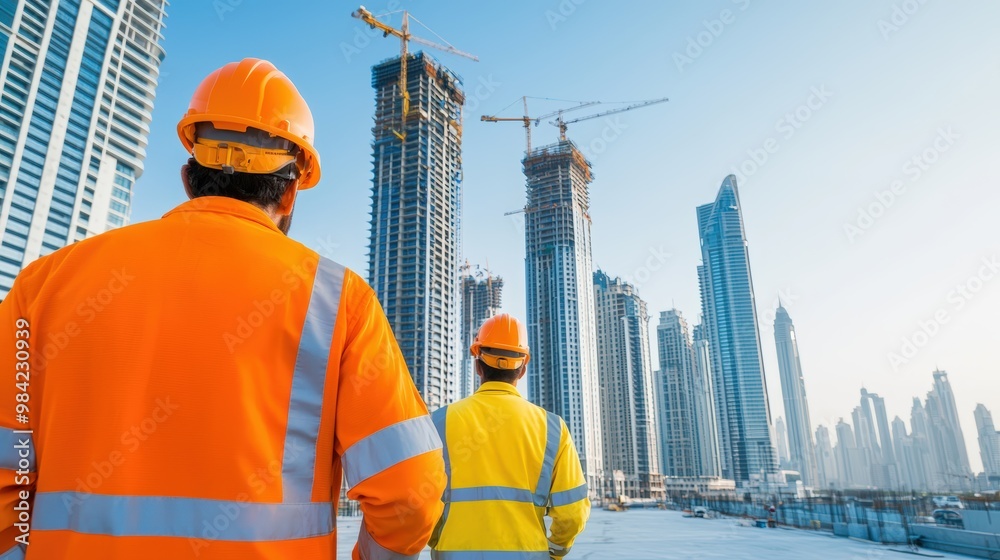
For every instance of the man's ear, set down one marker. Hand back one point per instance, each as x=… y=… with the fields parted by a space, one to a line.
x=288 y=199
x=185 y=182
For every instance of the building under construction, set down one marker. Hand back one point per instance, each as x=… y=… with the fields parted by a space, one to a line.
x=562 y=373
x=480 y=300
x=413 y=257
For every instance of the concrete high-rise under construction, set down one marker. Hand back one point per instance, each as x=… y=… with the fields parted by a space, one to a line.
x=77 y=85
x=413 y=253
x=562 y=373
x=480 y=300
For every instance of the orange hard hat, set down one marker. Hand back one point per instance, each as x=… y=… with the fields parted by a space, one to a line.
x=502 y=342
x=247 y=116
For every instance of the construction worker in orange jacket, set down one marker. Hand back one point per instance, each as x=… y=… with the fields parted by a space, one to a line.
x=510 y=463
x=196 y=386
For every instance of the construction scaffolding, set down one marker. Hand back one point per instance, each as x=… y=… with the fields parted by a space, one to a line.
x=562 y=374
x=414 y=244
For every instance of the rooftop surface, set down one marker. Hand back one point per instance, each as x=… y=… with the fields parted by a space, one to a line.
x=655 y=535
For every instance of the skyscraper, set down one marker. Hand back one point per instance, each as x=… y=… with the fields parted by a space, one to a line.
x=867 y=444
x=781 y=442
x=730 y=317
x=414 y=245
x=926 y=451
x=851 y=461
x=79 y=80
x=802 y=453
x=628 y=417
x=909 y=464
x=480 y=300
x=989 y=441
x=826 y=462
x=706 y=426
x=946 y=433
x=675 y=397
x=562 y=373
x=878 y=440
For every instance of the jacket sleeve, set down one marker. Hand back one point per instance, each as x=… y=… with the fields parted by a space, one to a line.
x=390 y=450
x=569 y=502
x=18 y=344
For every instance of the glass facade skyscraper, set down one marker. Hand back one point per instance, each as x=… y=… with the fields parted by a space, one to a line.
x=628 y=415
x=730 y=319
x=79 y=80
x=946 y=430
x=989 y=442
x=802 y=452
x=675 y=402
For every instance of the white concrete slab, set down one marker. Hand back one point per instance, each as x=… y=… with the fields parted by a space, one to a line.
x=658 y=535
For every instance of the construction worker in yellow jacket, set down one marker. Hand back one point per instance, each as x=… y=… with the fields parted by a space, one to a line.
x=509 y=463
x=197 y=386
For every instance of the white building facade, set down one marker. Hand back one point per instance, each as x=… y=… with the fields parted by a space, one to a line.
x=79 y=81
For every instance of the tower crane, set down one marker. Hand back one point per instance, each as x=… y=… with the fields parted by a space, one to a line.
x=528 y=120
x=405 y=37
x=561 y=123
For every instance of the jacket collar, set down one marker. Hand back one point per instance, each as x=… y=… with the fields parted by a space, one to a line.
x=226 y=205
x=498 y=387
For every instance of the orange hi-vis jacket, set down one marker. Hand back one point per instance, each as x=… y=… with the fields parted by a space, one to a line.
x=194 y=387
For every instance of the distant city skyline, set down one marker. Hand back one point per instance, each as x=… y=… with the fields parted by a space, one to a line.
x=930 y=456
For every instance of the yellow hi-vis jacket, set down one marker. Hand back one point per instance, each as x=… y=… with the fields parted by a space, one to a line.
x=509 y=463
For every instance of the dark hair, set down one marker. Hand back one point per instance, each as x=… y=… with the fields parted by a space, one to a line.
x=261 y=190
x=491 y=373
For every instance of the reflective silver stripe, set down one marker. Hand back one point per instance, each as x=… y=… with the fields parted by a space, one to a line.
x=439 y=417
x=557 y=551
x=488 y=555
x=371 y=550
x=158 y=516
x=489 y=493
x=15 y=553
x=569 y=496
x=553 y=434
x=306 y=403
x=11 y=446
x=389 y=446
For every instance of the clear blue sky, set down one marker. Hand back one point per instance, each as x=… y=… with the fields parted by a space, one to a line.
x=881 y=94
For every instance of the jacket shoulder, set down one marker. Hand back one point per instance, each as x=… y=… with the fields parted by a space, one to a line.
x=34 y=273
